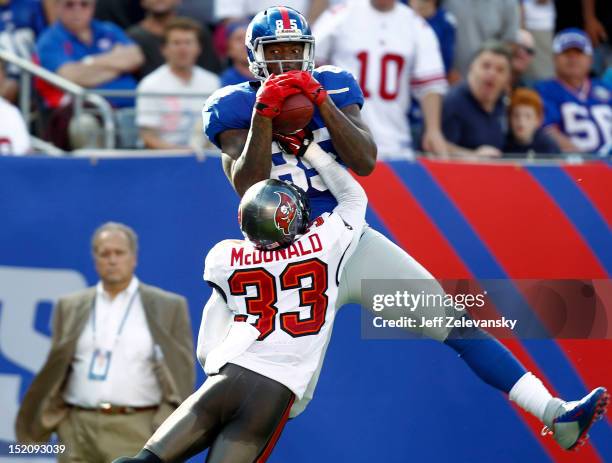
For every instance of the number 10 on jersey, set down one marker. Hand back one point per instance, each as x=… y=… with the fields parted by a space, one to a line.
x=387 y=62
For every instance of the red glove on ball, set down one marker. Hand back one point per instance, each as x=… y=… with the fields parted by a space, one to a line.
x=296 y=143
x=272 y=95
x=309 y=86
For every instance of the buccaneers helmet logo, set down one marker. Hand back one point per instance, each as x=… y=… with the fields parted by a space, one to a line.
x=285 y=212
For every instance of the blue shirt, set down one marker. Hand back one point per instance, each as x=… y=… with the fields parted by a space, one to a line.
x=467 y=124
x=607 y=77
x=231 y=76
x=443 y=25
x=231 y=108
x=584 y=115
x=20 y=23
x=58 y=46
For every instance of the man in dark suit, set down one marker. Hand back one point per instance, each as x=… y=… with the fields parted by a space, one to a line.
x=121 y=360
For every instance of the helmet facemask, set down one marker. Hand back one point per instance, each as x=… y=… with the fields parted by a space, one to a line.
x=259 y=64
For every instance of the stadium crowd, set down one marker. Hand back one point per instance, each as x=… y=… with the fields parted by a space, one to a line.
x=484 y=78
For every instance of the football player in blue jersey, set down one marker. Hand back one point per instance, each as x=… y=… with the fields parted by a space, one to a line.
x=578 y=110
x=238 y=119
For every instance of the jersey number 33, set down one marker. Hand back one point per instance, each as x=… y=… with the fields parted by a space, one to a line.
x=264 y=303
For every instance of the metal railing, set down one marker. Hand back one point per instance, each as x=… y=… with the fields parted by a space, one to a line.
x=96 y=97
x=109 y=93
x=80 y=95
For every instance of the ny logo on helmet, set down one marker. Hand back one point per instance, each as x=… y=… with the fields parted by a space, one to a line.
x=285 y=212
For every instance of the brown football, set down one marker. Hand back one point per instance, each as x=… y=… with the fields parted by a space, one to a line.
x=295 y=114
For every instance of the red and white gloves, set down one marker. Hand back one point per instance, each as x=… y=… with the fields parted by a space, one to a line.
x=308 y=85
x=277 y=88
x=272 y=95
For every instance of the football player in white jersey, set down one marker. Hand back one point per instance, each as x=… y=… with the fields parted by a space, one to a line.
x=239 y=120
x=281 y=286
x=397 y=57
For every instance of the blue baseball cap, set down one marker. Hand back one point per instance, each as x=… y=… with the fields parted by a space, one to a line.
x=233 y=26
x=572 y=38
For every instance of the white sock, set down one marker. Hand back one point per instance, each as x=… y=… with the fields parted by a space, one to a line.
x=531 y=395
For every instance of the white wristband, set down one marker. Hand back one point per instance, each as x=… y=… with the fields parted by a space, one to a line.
x=316 y=156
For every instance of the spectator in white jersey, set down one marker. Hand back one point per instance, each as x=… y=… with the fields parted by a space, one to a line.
x=398 y=56
x=172 y=121
x=264 y=359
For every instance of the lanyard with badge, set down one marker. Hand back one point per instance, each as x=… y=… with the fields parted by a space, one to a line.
x=101 y=357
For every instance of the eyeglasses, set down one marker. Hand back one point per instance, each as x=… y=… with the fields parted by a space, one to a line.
x=530 y=51
x=71 y=4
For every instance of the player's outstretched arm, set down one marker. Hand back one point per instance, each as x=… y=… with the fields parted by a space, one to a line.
x=352 y=199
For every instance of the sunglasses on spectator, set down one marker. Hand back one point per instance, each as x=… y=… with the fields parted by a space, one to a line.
x=71 y=4
x=530 y=51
